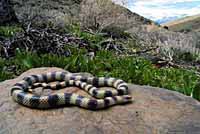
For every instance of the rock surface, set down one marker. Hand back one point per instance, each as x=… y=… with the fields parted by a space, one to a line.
x=154 y=111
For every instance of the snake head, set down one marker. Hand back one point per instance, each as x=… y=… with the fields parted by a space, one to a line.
x=127 y=98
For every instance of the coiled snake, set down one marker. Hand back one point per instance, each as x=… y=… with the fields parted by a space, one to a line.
x=102 y=98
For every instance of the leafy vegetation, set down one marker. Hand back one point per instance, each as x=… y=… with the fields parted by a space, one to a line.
x=134 y=70
x=8 y=31
x=105 y=63
x=116 y=32
x=93 y=39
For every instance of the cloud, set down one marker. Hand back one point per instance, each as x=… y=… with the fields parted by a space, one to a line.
x=160 y=9
x=162 y=1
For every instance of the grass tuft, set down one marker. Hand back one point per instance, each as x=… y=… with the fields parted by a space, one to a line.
x=9 y=31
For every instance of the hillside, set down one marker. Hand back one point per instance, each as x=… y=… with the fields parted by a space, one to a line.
x=101 y=15
x=187 y=24
x=90 y=13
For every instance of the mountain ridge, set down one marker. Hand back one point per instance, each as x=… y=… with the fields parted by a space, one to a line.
x=186 y=24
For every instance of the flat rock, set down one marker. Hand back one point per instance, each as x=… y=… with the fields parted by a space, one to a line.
x=154 y=111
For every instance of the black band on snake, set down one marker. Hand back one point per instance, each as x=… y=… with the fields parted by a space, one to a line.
x=103 y=98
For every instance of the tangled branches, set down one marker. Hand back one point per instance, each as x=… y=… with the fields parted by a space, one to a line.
x=40 y=41
x=51 y=41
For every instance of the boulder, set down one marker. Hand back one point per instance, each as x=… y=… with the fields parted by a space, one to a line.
x=154 y=111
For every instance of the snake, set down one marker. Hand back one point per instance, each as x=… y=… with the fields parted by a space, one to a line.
x=21 y=91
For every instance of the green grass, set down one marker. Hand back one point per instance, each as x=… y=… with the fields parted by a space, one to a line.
x=133 y=70
x=4 y=73
x=8 y=31
x=106 y=63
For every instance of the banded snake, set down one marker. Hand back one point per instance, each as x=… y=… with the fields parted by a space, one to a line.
x=21 y=93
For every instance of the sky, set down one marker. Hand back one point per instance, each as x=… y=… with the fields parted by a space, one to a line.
x=164 y=10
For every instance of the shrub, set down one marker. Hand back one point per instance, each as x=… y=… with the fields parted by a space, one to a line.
x=98 y=14
x=4 y=74
x=116 y=32
x=134 y=70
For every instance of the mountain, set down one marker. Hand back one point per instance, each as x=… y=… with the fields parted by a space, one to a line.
x=168 y=19
x=187 y=24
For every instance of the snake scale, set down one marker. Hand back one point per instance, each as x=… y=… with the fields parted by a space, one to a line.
x=21 y=91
